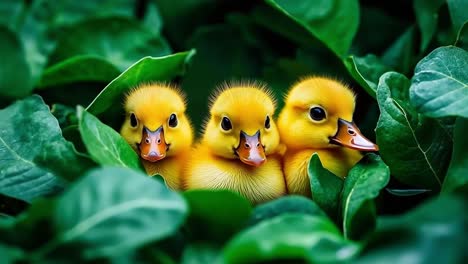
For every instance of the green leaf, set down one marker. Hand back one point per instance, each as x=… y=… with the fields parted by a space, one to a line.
x=201 y=254
x=366 y=71
x=10 y=254
x=10 y=12
x=285 y=205
x=109 y=102
x=462 y=37
x=111 y=211
x=457 y=9
x=15 y=79
x=406 y=192
x=415 y=148
x=33 y=151
x=312 y=238
x=326 y=187
x=440 y=83
x=66 y=115
x=77 y=69
x=427 y=16
x=362 y=185
x=119 y=40
x=432 y=233
x=400 y=54
x=456 y=179
x=216 y=215
x=104 y=144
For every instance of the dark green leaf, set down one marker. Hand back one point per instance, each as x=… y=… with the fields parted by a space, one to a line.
x=400 y=54
x=326 y=187
x=104 y=144
x=415 y=148
x=15 y=76
x=33 y=151
x=427 y=16
x=366 y=71
x=10 y=254
x=313 y=238
x=440 y=84
x=406 y=192
x=362 y=185
x=216 y=215
x=119 y=40
x=201 y=254
x=284 y=205
x=109 y=102
x=333 y=22
x=462 y=37
x=111 y=211
x=81 y=68
x=66 y=115
x=457 y=174
x=458 y=13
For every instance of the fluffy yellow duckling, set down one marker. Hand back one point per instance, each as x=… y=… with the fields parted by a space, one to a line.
x=158 y=130
x=317 y=117
x=238 y=150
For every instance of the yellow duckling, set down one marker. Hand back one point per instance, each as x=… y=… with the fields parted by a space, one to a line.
x=317 y=117
x=238 y=150
x=158 y=130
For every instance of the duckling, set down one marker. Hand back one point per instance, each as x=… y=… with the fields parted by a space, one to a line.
x=317 y=118
x=238 y=149
x=157 y=128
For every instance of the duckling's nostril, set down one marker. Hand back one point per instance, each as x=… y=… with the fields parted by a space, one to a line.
x=247 y=145
x=351 y=132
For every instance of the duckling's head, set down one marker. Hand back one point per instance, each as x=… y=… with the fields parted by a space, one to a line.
x=318 y=113
x=155 y=124
x=241 y=124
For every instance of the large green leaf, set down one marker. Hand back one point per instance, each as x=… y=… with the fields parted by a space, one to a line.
x=104 y=144
x=415 y=148
x=432 y=233
x=457 y=174
x=120 y=40
x=333 y=22
x=458 y=14
x=78 y=69
x=149 y=69
x=290 y=237
x=15 y=76
x=440 y=84
x=216 y=215
x=427 y=16
x=111 y=211
x=366 y=71
x=361 y=187
x=33 y=151
x=325 y=186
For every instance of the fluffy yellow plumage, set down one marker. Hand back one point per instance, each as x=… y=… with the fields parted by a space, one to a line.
x=238 y=150
x=317 y=117
x=158 y=130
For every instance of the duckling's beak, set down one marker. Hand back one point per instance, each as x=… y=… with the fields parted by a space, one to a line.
x=153 y=147
x=350 y=136
x=250 y=149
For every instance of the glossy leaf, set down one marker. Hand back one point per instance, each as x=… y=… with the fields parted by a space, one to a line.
x=326 y=187
x=216 y=215
x=109 y=102
x=333 y=22
x=81 y=68
x=290 y=204
x=34 y=152
x=439 y=87
x=427 y=16
x=457 y=174
x=113 y=210
x=313 y=238
x=362 y=185
x=415 y=148
x=366 y=71
x=104 y=144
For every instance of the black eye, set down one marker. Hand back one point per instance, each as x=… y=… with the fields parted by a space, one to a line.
x=267 y=122
x=173 y=120
x=317 y=113
x=133 y=120
x=226 y=124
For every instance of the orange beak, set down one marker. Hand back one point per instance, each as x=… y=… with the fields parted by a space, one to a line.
x=350 y=136
x=250 y=149
x=153 y=147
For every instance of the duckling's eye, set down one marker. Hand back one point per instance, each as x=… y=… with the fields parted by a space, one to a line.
x=317 y=113
x=133 y=120
x=226 y=124
x=173 y=120
x=267 y=122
